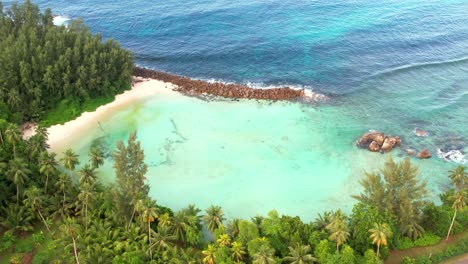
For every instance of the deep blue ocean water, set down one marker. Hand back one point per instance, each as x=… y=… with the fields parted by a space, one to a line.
x=393 y=66
x=333 y=47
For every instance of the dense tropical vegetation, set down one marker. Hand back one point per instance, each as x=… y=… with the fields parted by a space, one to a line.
x=56 y=210
x=89 y=223
x=43 y=66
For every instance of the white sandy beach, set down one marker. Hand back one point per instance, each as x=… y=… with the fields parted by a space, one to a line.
x=64 y=135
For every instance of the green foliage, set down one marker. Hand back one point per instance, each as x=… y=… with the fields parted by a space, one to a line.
x=24 y=246
x=361 y=221
x=459 y=248
x=396 y=189
x=6 y=241
x=41 y=258
x=130 y=170
x=43 y=64
x=247 y=232
x=16 y=258
x=436 y=219
x=428 y=239
x=38 y=238
x=324 y=251
x=370 y=258
x=346 y=256
x=68 y=109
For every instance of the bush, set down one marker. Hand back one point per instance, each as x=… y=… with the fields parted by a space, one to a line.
x=403 y=243
x=41 y=258
x=428 y=239
x=457 y=249
x=38 y=238
x=24 y=247
x=16 y=258
x=7 y=240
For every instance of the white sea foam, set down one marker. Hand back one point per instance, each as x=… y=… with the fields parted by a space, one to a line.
x=61 y=20
x=452 y=156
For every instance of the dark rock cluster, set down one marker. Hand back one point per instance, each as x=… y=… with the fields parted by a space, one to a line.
x=378 y=142
x=188 y=85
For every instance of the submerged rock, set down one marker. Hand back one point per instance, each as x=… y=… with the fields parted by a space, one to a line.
x=411 y=152
x=424 y=154
x=420 y=133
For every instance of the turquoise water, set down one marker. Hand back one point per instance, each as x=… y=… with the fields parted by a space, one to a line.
x=250 y=156
x=392 y=66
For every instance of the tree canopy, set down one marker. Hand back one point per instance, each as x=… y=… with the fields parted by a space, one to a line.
x=42 y=64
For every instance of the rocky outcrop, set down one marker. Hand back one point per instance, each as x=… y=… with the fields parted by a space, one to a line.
x=424 y=154
x=374 y=146
x=188 y=85
x=378 y=141
x=366 y=139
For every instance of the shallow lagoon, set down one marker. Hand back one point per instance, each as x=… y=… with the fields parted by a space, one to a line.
x=253 y=156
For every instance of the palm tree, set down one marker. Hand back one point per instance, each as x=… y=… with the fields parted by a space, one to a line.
x=13 y=136
x=149 y=215
x=16 y=218
x=18 y=173
x=71 y=228
x=86 y=193
x=34 y=200
x=224 y=240
x=47 y=166
x=163 y=239
x=164 y=220
x=339 y=232
x=88 y=175
x=300 y=255
x=323 y=220
x=213 y=218
x=70 y=160
x=459 y=177
x=459 y=202
x=265 y=255
x=96 y=157
x=233 y=227
x=237 y=251
x=209 y=254
x=63 y=183
x=379 y=235
x=179 y=226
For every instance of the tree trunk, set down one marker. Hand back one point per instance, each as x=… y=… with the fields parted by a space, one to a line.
x=1 y=139
x=337 y=246
x=63 y=203
x=131 y=218
x=86 y=216
x=46 y=182
x=43 y=220
x=378 y=249
x=451 y=225
x=74 y=249
x=17 y=194
x=14 y=150
x=149 y=240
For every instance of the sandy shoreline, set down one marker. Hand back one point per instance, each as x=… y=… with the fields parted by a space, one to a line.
x=142 y=88
x=64 y=135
